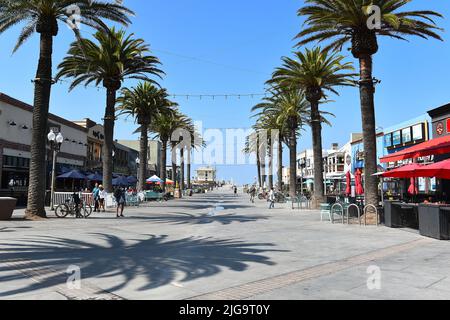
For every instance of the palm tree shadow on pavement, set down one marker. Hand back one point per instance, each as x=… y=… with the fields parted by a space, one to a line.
x=156 y=259
x=191 y=219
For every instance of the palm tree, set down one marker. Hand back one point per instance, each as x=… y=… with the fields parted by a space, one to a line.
x=315 y=71
x=43 y=17
x=161 y=126
x=143 y=103
x=180 y=131
x=268 y=120
x=252 y=145
x=114 y=59
x=343 y=21
x=292 y=110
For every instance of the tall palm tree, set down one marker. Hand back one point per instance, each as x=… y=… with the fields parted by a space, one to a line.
x=181 y=131
x=268 y=120
x=343 y=21
x=252 y=145
x=43 y=17
x=115 y=58
x=161 y=126
x=292 y=109
x=143 y=102
x=316 y=72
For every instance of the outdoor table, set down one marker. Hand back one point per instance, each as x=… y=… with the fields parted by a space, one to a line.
x=434 y=221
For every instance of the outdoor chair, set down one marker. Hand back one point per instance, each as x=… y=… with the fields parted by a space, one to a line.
x=325 y=209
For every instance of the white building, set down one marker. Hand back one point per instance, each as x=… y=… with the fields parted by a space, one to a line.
x=206 y=175
x=15 y=140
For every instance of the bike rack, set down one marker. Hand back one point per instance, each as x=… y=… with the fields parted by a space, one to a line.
x=365 y=213
x=332 y=212
x=348 y=213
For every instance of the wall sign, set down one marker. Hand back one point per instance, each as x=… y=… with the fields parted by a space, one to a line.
x=440 y=128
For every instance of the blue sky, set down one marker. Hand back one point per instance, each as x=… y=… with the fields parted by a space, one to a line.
x=231 y=47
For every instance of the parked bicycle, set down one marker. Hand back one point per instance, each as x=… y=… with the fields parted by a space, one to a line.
x=74 y=207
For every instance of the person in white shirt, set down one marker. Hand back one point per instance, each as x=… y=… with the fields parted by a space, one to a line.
x=271 y=199
x=102 y=198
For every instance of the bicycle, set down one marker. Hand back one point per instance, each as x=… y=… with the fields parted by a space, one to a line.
x=70 y=208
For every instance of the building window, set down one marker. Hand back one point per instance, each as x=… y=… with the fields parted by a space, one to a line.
x=406 y=135
x=388 y=140
x=417 y=132
x=396 y=138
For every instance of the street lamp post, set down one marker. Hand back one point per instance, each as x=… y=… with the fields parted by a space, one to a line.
x=55 y=145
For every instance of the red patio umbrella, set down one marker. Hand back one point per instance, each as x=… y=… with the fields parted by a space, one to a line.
x=439 y=170
x=407 y=171
x=348 y=181
x=358 y=182
x=412 y=188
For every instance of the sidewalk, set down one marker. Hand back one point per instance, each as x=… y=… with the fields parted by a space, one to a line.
x=217 y=246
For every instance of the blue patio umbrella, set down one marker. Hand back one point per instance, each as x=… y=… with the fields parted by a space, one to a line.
x=74 y=174
x=120 y=182
x=132 y=179
x=95 y=177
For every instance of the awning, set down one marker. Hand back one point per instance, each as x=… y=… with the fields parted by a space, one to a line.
x=432 y=147
x=439 y=170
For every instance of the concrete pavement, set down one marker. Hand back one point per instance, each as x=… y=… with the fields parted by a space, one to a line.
x=217 y=246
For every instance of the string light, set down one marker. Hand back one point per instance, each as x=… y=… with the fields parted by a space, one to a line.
x=186 y=96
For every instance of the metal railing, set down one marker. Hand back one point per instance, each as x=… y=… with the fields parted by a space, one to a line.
x=62 y=197
x=376 y=213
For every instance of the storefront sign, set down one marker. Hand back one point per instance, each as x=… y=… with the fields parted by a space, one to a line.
x=440 y=128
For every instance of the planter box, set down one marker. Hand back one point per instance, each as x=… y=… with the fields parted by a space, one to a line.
x=7 y=206
x=434 y=222
x=392 y=214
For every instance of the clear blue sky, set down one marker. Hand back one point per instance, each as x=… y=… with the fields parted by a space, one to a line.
x=215 y=47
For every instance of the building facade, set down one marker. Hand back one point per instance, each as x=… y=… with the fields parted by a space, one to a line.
x=153 y=156
x=15 y=141
x=206 y=175
x=95 y=141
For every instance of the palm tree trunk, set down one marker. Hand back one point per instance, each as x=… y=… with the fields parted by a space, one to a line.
x=108 y=124
x=316 y=128
x=143 y=161
x=174 y=165
x=42 y=89
x=258 y=163
x=258 y=167
x=163 y=169
x=367 y=91
x=182 y=169
x=188 y=169
x=280 y=161
x=293 y=157
x=270 y=155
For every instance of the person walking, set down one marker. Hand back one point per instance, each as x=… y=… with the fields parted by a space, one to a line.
x=95 y=195
x=235 y=191
x=271 y=199
x=102 y=198
x=252 y=194
x=119 y=195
